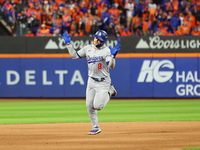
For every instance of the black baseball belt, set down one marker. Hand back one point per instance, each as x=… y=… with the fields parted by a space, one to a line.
x=98 y=79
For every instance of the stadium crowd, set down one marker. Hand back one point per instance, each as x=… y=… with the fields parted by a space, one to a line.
x=116 y=17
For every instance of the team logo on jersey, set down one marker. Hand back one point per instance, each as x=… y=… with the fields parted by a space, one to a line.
x=94 y=59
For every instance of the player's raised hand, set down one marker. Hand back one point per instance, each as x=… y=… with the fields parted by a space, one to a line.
x=115 y=49
x=67 y=38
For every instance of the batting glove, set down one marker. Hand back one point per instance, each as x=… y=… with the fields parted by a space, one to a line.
x=67 y=38
x=115 y=50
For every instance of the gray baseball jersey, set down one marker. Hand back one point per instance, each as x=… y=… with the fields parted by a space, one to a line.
x=97 y=60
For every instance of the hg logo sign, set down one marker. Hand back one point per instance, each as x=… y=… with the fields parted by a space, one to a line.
x=151 y=70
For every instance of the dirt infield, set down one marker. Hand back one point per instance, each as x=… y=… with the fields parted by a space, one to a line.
x=114 y=136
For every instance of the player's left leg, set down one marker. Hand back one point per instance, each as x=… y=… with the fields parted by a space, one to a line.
x=90 y=94
x=101 y=99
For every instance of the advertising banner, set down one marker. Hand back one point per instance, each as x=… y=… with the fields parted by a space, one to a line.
x=14 y=45
x=163 y=77
x=57 y=44
x=138 y=76
x=42 y=77
x=161 y=44
x=129 y=44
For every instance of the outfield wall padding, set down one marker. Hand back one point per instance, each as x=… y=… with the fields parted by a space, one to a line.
x=135 y=76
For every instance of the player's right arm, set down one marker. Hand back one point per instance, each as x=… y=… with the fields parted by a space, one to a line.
x=114 y=51
x=71 y=50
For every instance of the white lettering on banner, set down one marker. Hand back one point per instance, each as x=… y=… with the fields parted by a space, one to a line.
x=180 y=76
x=44 y=78
x=12 y=73
x=13 y=77
x=190 y=76
x=152 y=71
x=61 y=75
x=77 y=78
x=77 y=44
x=157 y=43
x=188 y=89
x=29 y=77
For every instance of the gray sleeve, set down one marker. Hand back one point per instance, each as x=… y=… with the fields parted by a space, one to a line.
x=72 y=52
x=110 y=60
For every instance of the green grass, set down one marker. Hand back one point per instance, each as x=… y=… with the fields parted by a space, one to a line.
x=192 y=148
x=21 y=112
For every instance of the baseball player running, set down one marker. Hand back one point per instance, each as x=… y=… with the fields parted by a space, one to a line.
x=99 y=58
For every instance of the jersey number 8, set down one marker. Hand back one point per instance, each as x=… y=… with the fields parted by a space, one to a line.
x=99 y=65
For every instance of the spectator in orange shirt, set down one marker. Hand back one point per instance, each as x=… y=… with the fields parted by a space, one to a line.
x=145 y=25
x=29 y=33
x=31 y=9
x=83 y=6
x=39 y=12
x=66 y=22
x=72 y=28
x=136 y=22
x=84 y=2
x=161 y=31
x=55 y=6
x=191 y=19
x=168 y=7
x=81 y=33
x=44 y=31
x=58 y=2
x=185 y=28
x=58 y=21
x=77 y=14
x=88 y=24
x=114 y=11
x=195 y=32
x=175 y=5
x=126 y=32
x=178 y=32
x=170 y=34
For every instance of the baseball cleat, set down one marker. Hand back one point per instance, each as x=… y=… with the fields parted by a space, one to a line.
x=94 y=132
x=114 y=92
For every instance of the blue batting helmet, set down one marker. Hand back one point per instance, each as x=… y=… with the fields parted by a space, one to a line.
x=102 y=36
